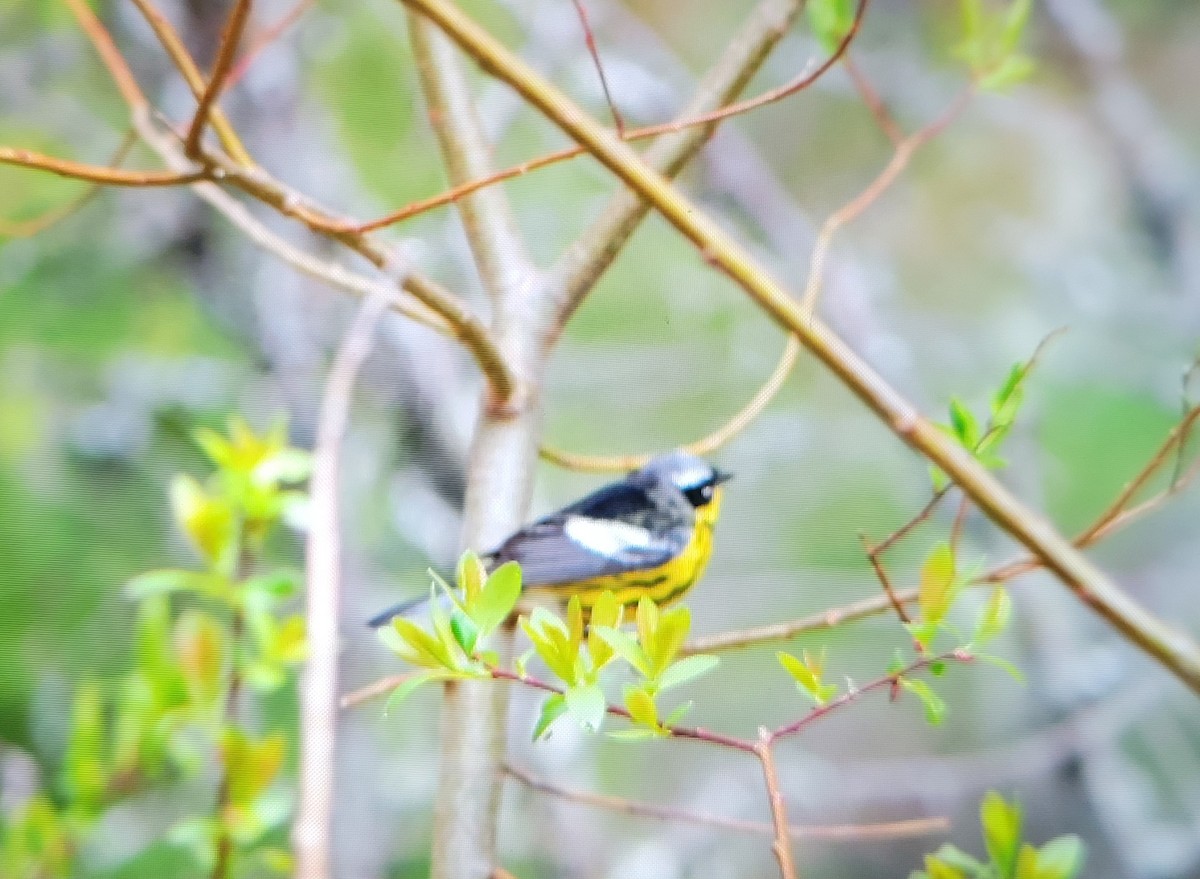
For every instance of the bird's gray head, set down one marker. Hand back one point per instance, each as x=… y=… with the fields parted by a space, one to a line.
x=694 y=477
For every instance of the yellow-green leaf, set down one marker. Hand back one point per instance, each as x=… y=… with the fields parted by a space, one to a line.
x=936 y=590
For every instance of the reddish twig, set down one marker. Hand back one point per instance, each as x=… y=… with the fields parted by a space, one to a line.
x=230 y=37
x=883 y=118
x=96 y=173
x=782 y=846
x=771 y=96
x=35 y=225
x=875 y=830
x=590 y=39
x=885 y=581
x=265 y=39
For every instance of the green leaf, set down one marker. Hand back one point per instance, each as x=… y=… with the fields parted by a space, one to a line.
x=678 y=713
x=960 y=860
x=1008 y=72
x=1015 y=20
x=498 y=597
x=807 y=680
x=200 y=646
x=406 y=689
x=168 y=580
x=1001 y=823
x=466 y=633
x=935 y=706
x=936 y=590
x=966 y=428
x=625 y=647
x=415 y=644
x=553 y=708
x=1003 y=664
x=647 y=627
x=1061 y=858
x=938 y=869
x=830 y=21
x=278 y=585
x=587 y=705
x=641 y=707
x=995 y=616
x=669 y=635
x=207 y=520
x=685 y=670
x=471 y=577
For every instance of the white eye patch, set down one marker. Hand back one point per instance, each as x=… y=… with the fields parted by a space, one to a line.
x=608 y=538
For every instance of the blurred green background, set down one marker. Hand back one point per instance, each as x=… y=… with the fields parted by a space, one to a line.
x=1071 y=201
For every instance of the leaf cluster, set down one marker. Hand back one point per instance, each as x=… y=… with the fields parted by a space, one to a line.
x=1007 y=856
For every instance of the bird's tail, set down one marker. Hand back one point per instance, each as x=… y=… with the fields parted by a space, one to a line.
x=382 y=619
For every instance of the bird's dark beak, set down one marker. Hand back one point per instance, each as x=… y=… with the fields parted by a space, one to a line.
x=720 y=476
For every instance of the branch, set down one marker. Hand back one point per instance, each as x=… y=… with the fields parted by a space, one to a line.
x=798 y=84
x=1173 y=649
x=705 y=445
x=581 y=266
x=230 y=37
x=313 y=827
x=101 y=174
x=266 y=39
x=35 y=225
x=182 y=59
x=782 y=846
x=590 y=40
x=487 y=217
x=831 y=832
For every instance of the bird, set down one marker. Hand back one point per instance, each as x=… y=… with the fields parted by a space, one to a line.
x=649 y=534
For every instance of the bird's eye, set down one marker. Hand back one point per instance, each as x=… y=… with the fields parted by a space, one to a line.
x=706 y=492
x=700 y=495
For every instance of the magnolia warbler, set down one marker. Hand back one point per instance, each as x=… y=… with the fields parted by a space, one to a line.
x=649 y=534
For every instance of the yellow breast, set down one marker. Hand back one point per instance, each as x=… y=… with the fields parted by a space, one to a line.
x=668 y=582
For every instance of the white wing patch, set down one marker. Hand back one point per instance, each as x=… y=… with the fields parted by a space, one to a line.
x=608 y=538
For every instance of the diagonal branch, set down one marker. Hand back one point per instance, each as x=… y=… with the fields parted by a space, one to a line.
x=581 y=266
x=182 y=59
x=230 y=37
x=1173 y=649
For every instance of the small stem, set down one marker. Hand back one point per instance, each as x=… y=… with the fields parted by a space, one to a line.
x=885 y=581
x=590 y=40
x=230 y=37
x=829 y=832
x=782 y=847
x=23 y=158
x=224 y=854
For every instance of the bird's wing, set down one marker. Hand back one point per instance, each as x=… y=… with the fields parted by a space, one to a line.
x=612 y=531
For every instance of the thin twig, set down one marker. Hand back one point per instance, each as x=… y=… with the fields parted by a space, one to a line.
x=311 y=832
x=182 y=59
x=703 y=446
x=96 y=173
x=782 y=846
x=36 y=225
x=230 y=37
x=590 y=40
x=872 y=552
x=113 y=60
x=830 y=832
x=801 y=82
x=265 y=39
x=224 y=840
x=887 y=123
x=853 y=209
